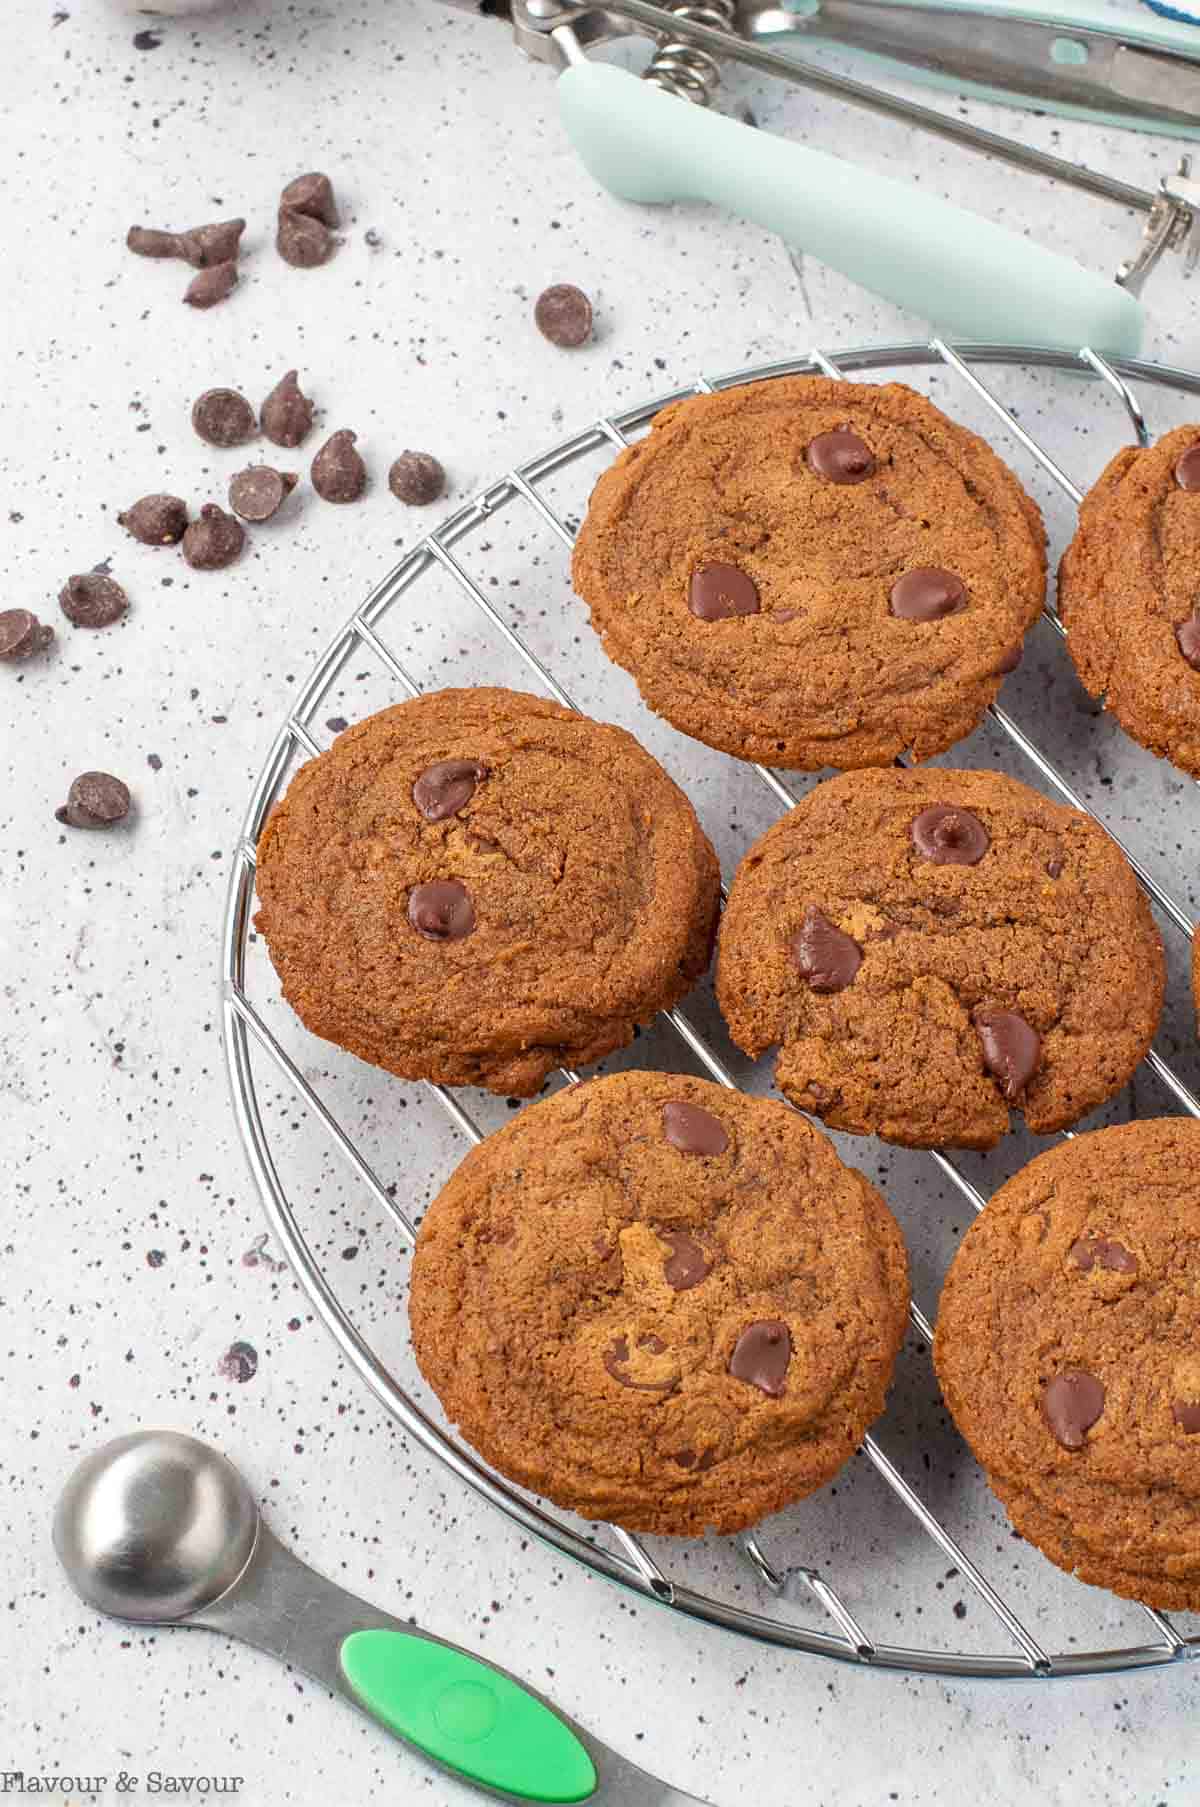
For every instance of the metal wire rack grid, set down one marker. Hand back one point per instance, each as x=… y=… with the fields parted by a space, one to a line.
x=630 y=1563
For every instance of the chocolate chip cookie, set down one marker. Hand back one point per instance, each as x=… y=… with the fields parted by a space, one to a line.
x=1129 y=594
x=478 y=886
x=660 y=1303
x=936 y=948
x=1068 y=1348
x=811 y=573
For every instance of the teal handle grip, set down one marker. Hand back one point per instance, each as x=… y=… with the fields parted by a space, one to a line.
x=969 y=277
x=466 y=1715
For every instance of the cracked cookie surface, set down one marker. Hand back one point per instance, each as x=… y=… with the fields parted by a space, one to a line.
x=478 y=886
x=810 y=573
x=1129 y=594
x=660 y=1303
x=932 y=948
x=1067 y=1348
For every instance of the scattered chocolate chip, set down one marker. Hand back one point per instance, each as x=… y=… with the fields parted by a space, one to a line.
x=447 y=786
x=147 y=40
x=563 y=314
x=718 y=592
x=1187 y=636
x=22 y=635
x=841 y=457
x=154 y=762
x=301 y=240
x=239 y=1362
x=822 y=954
x=337 y=724
x=1009 y=662
x=95 y=800
x=1187 y=471
x=1098 y=1251
x=211 y=285
x=693 y=1130
x=687 y=1264
x=156 y=520
x=1011 y=1048
x=1186 y=1416
x=338 y=473
x=205 y=246
x=257 y=492
x=1071 y=1404
x=311 y=195
x=286 y=416
x=761 y=1356
x=91 y=600
x=223 y=417
x=616 y=1360
x=1054 y=868
x=927 y=594
x=146 y=241
x=948 y=836
x=372 y=239
x=214 y=540
x=441 y=910
x=416 y=478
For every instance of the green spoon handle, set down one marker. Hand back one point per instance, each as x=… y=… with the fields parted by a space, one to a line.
x=468 y=1716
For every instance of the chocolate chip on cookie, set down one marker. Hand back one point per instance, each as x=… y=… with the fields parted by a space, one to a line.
x=441 y=910
x=882 y=565
x=898 y=934
x=693 y=1130
x=447 y=786
x=686 y=1344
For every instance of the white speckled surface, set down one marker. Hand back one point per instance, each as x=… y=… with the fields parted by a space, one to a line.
x=123 y=1277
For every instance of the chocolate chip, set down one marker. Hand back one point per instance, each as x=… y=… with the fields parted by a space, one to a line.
x=1009 y=662
x=239 y=1362
x=1187 y=636
x=95 y=800
x=840 y=457
x=214 y=540
x=447 y=786
x=217 y=243
x=257 y=492
x=92 y=600
x=717 y=592
x=223 y=417
x=146 y=241
x=1186 y=1416
x=687 y=1264
x=147 y=40
x=1071 y=1404
x=761 y=1356
x=693 y=1130
x=948 y=836
x=286 y=415
x=927 y=594
x=212 y=285
x=1011 y=1048
x=312 y=195
x=441 y=910
x=156 y=520
x=822 y=954
x=616 y=1360
x=1054 y=868
x=338 y=473
x=416 y=478
x=1095 y=1251
x=22 y=635
x=301 y=240
x=1187 y=471
x=563 y=314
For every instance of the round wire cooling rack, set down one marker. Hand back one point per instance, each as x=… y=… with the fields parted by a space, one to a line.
x=834 y=1629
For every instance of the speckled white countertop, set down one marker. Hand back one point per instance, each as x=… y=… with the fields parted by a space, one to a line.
x=131 y=1253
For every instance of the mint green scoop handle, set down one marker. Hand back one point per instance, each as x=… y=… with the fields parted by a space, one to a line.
x=970 y=278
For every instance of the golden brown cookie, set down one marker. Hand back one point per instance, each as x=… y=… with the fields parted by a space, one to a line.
x=1068 y=1349
x=936 y=948
x=810 y=573
x=660 y=1303
x=1129 y=594
x=479 y=886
